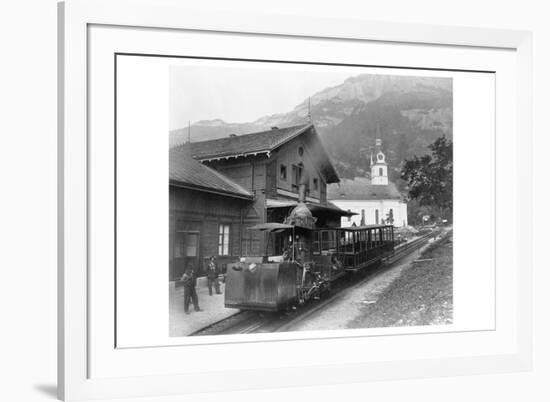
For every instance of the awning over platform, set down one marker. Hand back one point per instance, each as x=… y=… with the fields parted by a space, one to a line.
x=271 y=227
x=330 y=209
x=271 y=203
x=315 y=209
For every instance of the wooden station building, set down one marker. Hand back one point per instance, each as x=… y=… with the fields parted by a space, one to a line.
x=220 y=188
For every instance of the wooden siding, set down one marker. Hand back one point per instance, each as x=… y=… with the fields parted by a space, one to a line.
x=288 y=156
x=192 y=211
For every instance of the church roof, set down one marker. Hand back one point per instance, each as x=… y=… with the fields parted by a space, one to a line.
x=187 y=172
x=360 y=188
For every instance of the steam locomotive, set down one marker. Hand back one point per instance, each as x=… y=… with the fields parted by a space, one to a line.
x=312 y=260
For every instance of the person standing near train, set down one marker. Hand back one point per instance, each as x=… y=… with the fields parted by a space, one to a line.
x=189 y=281
x=212 y=274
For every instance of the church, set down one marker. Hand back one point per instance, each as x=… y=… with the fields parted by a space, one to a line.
x=375 y=201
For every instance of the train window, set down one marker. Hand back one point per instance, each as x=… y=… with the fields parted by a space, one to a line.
x=316 y=243
x=325 y=240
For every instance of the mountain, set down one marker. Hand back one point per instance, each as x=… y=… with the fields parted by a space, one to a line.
x=407 y=113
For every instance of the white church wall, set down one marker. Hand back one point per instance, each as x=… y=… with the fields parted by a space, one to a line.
x=370 y=207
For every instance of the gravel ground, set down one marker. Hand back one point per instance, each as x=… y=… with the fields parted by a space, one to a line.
x=422 y=295
x=410 y=293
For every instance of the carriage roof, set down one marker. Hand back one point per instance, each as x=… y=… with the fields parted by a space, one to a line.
x=357 y=228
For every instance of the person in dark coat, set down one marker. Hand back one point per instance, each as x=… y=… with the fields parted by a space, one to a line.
x=212 y=274
x=189 y=291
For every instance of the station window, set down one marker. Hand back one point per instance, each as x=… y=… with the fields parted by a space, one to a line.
x=179 y=249
x=282 y=172
x=296 y=176
x=223 y=239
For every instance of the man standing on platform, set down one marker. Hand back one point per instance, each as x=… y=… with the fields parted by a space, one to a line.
x=189 y=292
x=212 y=275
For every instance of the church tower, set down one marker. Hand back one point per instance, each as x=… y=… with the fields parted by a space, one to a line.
x=378 y=166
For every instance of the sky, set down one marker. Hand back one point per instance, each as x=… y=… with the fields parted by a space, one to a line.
x=239 y=92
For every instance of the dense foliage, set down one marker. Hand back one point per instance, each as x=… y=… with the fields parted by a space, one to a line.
x=430 y=179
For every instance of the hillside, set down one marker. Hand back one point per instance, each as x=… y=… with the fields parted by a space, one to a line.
x=407 y=113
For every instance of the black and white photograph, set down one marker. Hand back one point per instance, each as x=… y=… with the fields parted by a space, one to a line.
x=307 y=198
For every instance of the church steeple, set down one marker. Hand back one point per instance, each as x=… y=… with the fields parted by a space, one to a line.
x=378 y=166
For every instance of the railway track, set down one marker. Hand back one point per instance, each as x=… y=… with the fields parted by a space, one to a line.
x=247 y=322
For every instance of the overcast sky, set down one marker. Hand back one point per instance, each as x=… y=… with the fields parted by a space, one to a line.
x=238 y=92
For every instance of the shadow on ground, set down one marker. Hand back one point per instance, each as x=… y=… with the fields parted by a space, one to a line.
x=47 y=389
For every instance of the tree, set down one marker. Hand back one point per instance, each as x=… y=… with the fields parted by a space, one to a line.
x=430 y=177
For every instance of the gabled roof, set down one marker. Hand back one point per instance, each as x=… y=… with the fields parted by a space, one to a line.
x=246 y=144
x=361 y=188
x=187 y=172
x=263 y=142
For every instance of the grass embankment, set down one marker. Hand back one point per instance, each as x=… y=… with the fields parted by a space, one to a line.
x=422 y=295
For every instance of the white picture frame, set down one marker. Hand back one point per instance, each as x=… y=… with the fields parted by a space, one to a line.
x=75 y=19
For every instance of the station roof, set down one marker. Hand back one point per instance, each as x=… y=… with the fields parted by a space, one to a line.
x=263 y=142
x=313 y=207
x=187 y=172
x=361 y=189
x=271 y=227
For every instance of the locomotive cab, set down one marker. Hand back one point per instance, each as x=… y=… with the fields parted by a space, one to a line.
x=263 y=283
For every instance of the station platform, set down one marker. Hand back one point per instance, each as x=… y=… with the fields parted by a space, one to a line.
x=212 y=307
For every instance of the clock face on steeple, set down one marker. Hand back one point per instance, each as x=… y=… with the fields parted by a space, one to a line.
x=380 y=157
